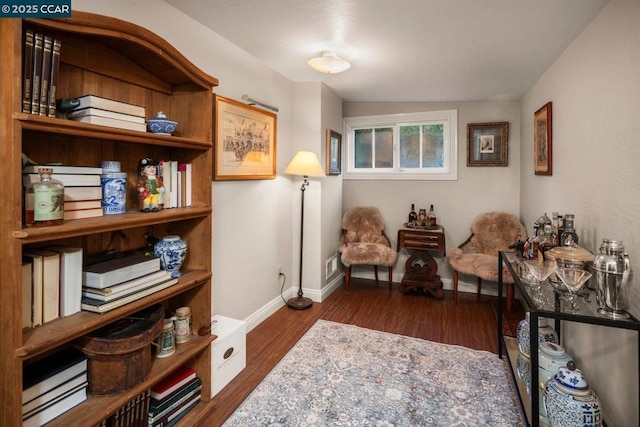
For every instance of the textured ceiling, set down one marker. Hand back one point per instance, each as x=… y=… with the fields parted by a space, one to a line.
x=405 y=50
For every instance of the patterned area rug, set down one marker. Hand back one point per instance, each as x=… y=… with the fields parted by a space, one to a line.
x=344 y=375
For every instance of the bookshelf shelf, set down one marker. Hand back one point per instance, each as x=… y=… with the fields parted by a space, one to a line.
x=121 y=61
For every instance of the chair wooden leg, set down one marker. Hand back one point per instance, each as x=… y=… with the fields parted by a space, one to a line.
x=347 y=276
x=455 y=286
x=509 y=295
x=390 y=277
x=375 y=269
x=479 y=287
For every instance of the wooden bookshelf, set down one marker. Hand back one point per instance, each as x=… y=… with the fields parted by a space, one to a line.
x=118 y=60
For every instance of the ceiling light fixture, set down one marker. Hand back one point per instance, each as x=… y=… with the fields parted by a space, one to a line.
x=329 y=63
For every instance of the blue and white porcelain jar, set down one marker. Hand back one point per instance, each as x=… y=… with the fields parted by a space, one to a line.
x=570 y=402
x=545 y=333
x=114 y=188
x=172 y=251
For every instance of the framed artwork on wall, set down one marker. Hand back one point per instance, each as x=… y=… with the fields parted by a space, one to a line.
x=334 y=152
x=542 y=154
x=488 y=144
x=244 y=141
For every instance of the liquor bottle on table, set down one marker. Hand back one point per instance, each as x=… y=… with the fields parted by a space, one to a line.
x=569 y=236
x=431 y=217
x=413 y=216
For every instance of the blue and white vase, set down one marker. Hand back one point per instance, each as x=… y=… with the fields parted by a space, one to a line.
x=545 y=333
x=172 y=251
x=570 y=402
x=114 y=188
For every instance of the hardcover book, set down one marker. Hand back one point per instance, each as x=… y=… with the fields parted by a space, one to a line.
x=172 y=382
x=82 y=213
x=84 y=112
x=47 y=47
x=82 y=204
x=120 y=269
x=115 y=123
x=35 y=262
x=173 y=417
x=63 y=169
x=82 y=193
x=68 y=180
x=157 y=409
x=53 y=79
x=55 y=394
x=50 y=283
x=97 y=306
x=110 y=105
x=126 y=288
x=70 y=279
x=45 y=374
x=27 y=296
x=56 y=409
x=37 y=73
x=27 y=70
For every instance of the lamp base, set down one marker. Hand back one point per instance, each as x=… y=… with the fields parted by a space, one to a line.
x=299 y=303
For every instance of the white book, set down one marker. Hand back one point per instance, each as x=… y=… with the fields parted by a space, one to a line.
x=70 y=279
x=126 y=288
x=72 y=194
x=82 y=213
x=68 y=180
x=57 y=393
x=48 y=373
x=61 y=169
x=76 y=205
x=50 y=284
x=114 y=123
x=188 y=187
x=173 y=193
x=104 y=113
x=56 y=409
x=119 y=270
x=110 y=105
x=36 y=287
x=96 y=306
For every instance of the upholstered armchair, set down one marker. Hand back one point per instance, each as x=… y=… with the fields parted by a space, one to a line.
x=491 y=233
x=364 y=242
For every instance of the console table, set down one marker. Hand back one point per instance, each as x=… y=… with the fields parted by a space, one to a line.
x=420 y=269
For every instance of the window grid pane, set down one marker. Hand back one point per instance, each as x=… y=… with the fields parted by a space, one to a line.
x=432 y=146
x=384 y=148
x=363 y=148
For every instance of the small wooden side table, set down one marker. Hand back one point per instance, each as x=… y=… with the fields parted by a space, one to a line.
x=420 y=270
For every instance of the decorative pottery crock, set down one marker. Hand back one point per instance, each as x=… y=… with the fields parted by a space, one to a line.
x=545 y=333
x=172 y=252
x=551 y=357
x=569 y=402
x=160 y=124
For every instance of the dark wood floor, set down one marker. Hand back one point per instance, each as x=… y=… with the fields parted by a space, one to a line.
x=470 y=323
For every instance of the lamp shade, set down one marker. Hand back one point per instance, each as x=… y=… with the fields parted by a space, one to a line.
x=305 y=163
x=329 y=63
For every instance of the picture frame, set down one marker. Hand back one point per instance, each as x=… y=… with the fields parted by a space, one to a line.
x=488 y=144
x=334 y=152
x=244 y=141
x=542 y=135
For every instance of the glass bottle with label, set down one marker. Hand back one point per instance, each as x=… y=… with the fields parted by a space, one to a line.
x=569 y=236
x=413 y=216
x=431 y=217
x=44 y=201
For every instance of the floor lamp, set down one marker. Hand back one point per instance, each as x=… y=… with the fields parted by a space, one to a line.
x=305 y=164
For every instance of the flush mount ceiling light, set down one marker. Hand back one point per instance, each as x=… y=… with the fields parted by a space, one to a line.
x=329 y=63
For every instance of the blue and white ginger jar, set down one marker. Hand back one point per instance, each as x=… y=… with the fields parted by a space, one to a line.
x=569 y=402
x=545 y=333
x=172 y=251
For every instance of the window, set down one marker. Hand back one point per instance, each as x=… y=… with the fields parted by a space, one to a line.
x=402 y=146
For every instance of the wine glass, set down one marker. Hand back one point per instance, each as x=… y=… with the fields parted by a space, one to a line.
x=541 y=270
x=574 y=279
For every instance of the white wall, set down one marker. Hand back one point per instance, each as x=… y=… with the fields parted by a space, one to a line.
x=595 y=90
x=477 y=190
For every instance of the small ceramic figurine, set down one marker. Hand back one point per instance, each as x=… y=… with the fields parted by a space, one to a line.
x=150 y=186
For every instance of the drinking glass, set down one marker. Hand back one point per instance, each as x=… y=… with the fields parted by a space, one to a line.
x=541 y=272
x=574 y=279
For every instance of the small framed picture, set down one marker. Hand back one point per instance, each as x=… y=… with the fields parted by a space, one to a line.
x=542 y=141
x=334 y=152
x=487 y=144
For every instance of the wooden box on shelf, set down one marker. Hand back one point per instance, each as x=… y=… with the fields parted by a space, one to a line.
x=114 y=59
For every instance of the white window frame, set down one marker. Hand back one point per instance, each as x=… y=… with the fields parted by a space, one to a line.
x=449 y=172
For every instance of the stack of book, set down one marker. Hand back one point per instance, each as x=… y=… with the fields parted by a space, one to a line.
x=125 y=278
x=173 y=397
x=108 y=112
x=40 y=73
x=177 y=183
x=51 y=284
x=82 y=188
x=52 y=386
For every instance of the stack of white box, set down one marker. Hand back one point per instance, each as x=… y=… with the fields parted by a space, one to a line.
x=228 y=351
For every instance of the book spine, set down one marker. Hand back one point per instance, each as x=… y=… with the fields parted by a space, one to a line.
x=53 y=80
x=37 y=73
x=47 y=47
x=158 y=408
x=27 y=70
